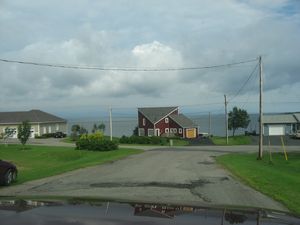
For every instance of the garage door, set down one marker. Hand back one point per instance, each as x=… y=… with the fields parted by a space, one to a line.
x=191 y=133
x=276 y=130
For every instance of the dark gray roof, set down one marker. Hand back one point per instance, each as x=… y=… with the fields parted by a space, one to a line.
x=297 y=117
x=34 y=116
x=283 y=118
x=182 y=120
x=155 y=114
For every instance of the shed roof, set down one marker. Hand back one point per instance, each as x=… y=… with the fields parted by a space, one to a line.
x=33 y=116
x=285 y=118
x=155 y=114
x=297 y=117
x=182 y=120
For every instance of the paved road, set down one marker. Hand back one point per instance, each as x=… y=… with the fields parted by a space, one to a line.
x=225 y=149
x=178 y=176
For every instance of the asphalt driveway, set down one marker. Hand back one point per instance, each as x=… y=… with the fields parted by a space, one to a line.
x=178 y=176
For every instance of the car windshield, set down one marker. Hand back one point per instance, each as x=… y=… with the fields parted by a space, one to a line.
x=190 y=103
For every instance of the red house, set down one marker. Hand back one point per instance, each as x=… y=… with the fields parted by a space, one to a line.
x=165 y=121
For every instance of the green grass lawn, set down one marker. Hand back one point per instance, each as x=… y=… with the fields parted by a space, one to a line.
x=176 y=142
x=279 y=179
x=236 y=140
x=180 y=142
x=69 y=140
x=36 y=162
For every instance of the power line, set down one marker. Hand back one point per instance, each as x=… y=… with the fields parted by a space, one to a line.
x=244 y=84
x=124 y=69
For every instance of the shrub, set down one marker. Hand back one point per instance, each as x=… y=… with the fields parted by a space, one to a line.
x=49 y=135
x=154 y=140
x=95 y=142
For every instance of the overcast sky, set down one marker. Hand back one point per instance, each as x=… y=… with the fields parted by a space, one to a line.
x=148 y=34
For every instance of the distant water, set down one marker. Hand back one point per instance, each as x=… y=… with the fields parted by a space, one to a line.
x=125 y=126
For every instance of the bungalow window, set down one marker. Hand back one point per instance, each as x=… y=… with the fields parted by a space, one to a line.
x=167 y=120
x=144 y=121
x=166 y=130
x=180 y=130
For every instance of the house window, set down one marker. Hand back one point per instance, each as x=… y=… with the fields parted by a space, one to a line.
x=173 y=130
x=167 y=120
x=57 y=127
x=150 y=132
x=166 y=130
x=50 y=129
x=141 y=132
x=144 y=121
x=180 y=130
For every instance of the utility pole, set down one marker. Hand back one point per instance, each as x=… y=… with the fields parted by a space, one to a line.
x=110 y=122
x=209 y=123
x=226 y=119
x=260 y=147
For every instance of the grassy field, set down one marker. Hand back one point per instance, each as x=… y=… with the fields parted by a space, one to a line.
x=236 y=140
x=176 y=142
x=69 y=140
x=36 y=162
x=279 y=179
x=180 y=142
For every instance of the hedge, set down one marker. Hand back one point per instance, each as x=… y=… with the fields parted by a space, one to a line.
x=95 y=142
x=144 y=140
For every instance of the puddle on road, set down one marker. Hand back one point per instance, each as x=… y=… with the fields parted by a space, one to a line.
x=206 y=163
x=193 y=184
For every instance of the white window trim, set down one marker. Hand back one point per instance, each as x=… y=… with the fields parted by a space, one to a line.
x=166 y=120
x=166 y=130
x=144 y=121
x=141 y=129
x=157 y=131
x=180 y=130
x=150 y=129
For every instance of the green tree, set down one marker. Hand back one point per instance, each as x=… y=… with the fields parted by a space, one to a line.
x=24 y=132
x=82 y=131
x=237 y=118
x=7 y=134
x=75 y=131
x=100 y=127
x=135 y=132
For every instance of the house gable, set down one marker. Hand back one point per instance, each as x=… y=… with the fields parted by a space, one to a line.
x=152 y=119
x=155 y=114
x=145 y=124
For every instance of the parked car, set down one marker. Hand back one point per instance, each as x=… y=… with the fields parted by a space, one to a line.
x=296 y=135
x=8 y=173
x=59 y=135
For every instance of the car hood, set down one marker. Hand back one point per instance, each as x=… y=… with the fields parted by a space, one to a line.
x=93 y=211
x=6 y=164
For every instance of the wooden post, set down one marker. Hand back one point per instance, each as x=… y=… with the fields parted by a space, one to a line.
x=260 y=147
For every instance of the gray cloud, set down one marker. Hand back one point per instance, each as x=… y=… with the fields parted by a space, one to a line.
x=146 y=34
